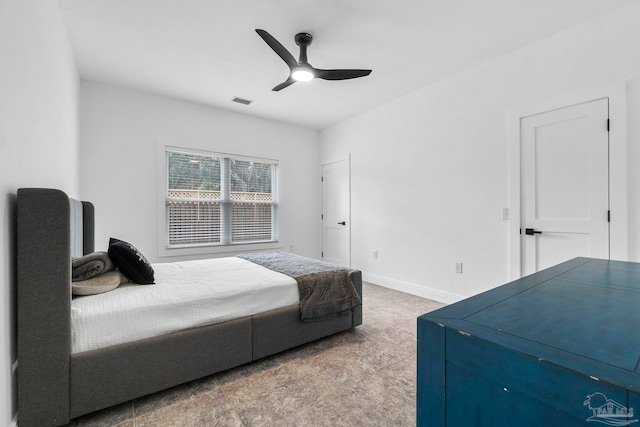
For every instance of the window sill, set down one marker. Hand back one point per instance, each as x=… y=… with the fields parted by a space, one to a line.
x=238 y=248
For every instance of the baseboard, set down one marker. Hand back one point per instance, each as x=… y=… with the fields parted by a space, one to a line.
x=411 y=288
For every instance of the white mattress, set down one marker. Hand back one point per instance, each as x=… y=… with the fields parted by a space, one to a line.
x=186 y=294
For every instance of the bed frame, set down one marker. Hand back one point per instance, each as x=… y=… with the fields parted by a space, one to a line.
x=55 y=386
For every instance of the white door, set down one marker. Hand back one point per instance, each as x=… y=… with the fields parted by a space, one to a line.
x=565 y=185
x=336 y=213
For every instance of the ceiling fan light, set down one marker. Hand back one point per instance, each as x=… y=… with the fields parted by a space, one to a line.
x=302 y=74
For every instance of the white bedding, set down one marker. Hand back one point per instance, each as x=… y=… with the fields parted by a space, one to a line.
x=186 y=294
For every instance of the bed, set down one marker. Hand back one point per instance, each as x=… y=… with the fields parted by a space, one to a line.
x=56 y=384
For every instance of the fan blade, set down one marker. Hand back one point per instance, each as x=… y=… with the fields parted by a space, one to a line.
x=278 y=48
x=284 y=84
x=341 y=74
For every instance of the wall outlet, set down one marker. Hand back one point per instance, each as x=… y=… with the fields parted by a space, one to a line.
x=375 y=254
x=505 y=214
x=458 y=267
x=290 y=248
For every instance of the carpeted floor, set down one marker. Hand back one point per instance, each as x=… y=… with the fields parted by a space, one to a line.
x=363 y=377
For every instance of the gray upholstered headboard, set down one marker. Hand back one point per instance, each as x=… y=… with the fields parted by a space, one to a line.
x=44 y=250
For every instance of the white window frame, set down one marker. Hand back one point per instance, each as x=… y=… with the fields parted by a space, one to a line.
x=223 y=248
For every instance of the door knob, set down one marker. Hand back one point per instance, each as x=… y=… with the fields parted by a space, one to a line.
x=342 y=223
x=531 y=231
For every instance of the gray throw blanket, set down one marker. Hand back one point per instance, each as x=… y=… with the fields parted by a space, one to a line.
x=326 y=290
x=90 y=265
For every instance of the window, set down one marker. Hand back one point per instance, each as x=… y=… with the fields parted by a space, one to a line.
x=214 y=199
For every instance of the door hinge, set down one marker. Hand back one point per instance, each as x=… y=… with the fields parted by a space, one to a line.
x=322 y=217
x=321 y=254
x=608 y=125
x=322 y=177
x=608 y=216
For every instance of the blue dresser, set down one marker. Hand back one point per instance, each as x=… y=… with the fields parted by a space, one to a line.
x=558 y=348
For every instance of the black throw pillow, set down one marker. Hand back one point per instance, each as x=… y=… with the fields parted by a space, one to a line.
x=130 y=261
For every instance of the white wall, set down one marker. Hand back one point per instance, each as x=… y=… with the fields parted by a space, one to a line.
x=430 y=170
x=122 y=130
x=38 y=141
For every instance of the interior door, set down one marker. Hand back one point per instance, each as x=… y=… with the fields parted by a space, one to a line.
x=565 y=185
x=336 y=213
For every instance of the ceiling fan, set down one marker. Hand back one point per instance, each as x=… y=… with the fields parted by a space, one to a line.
x=301 y=70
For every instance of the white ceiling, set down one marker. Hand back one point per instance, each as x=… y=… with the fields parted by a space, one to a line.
x=207 y=51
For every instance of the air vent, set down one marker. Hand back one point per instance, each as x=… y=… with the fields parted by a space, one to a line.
x=242 y=101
